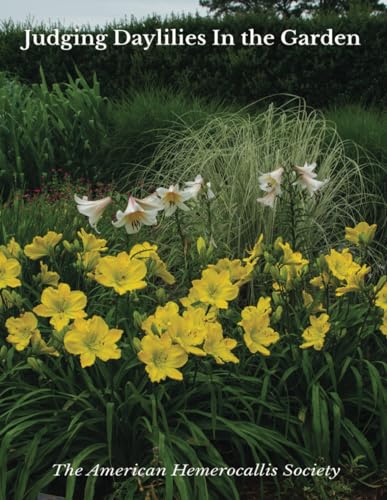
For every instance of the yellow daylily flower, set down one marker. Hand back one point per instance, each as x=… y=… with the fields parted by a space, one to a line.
x=12 y=249
x=46 y=277
x=39 y=345
x=188 y=333
x=341 y=264
x=91 y=243
x=354 y=281
x=217 y=346
x=256 y=251
x=161 y=271
x=10 y=269
x=161 y=319
x=215 y=288
x=21 y=330
x=383 y=326
x=147 y=251
x=361 y=234
x=161 y=358
x=291 y=258
x=311 y=303
x=88 y=261
x=321 y=281
x=121 y=273
x=239 y=273
x=256 y=325
x=381 y=298
x=92 y=339
x=314 y=335
x=143 y=250
x=42 y=246
x=61 y=305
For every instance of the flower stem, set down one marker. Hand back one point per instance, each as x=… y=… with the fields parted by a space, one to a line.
x=209 y=218
x=183 y=244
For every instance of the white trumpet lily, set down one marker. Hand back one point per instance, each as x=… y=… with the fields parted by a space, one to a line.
x=173 y=198
x=92 y=209
x=199 y=185
x=307 y=178
x=271 y=184
x=151 y=202
x=135 y=216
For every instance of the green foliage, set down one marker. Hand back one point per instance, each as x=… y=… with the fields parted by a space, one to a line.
x=73 y=128
x=321 y=75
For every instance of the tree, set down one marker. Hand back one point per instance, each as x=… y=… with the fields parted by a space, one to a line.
x=288 y=8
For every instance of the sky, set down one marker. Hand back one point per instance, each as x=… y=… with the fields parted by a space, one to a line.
x=92 y=11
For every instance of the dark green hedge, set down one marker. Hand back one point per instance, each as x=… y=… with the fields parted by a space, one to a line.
x=322 y=75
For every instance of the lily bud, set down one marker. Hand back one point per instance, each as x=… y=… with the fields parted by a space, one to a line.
x=277 y=313
x=161 y=295
x=138 y=319
x=137 y=344
x=35 y=364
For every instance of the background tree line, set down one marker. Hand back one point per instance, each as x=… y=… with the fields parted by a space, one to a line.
x=289 y=8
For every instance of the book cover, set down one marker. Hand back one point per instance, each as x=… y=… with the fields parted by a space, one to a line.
x=193 y=289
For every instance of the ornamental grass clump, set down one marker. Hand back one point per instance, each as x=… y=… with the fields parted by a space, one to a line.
x=238 y=152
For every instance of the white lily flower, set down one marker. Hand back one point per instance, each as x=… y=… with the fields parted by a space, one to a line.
x=92 y=209
x=307 y=178
x=271 y=184
x=135 y=216
x=173 y=198
x=199 y=185
x=151 y=202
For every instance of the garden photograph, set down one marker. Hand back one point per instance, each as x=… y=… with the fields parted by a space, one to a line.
x=193 y=243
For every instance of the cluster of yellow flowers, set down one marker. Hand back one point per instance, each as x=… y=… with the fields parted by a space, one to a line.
x=89 y=338
x=194 y=327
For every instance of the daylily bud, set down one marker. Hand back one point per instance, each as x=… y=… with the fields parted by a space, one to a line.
x=59 y=336
x=276 y=298
x=68 y=246
x=284 y=273
x=277 y=313
x=380 y=284
x=321 y=262
x=138 y=319
x=3 y=353
x=137 y=344
x=278 y=242
x=302 y=414
x=161 y=295
x=155 y=330
x=274 y=271
x=268 y=257
x=35 y=364
x=201 y=245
